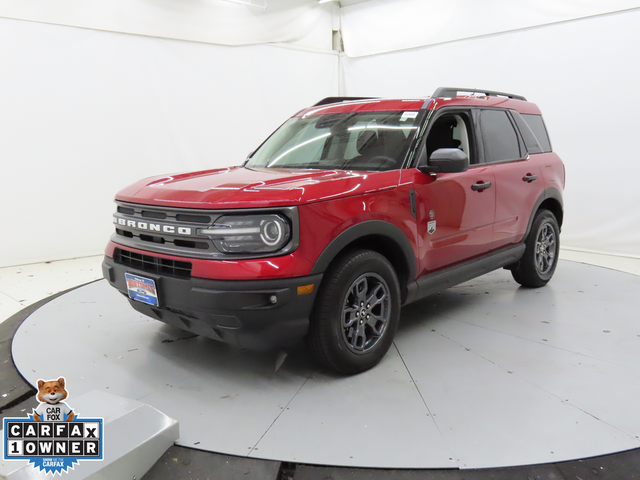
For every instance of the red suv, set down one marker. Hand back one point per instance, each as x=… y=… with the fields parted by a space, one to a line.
x=351 y=209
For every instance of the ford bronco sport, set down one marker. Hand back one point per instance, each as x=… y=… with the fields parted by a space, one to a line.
x=351 y=209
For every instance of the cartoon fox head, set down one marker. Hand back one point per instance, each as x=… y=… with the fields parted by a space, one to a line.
x=52 y=391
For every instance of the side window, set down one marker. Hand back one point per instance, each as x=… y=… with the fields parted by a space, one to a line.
x=452 y=130
x=499 y=137
x=536 y=124
x=530 y=140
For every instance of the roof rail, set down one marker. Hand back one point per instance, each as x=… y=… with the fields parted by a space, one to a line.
x=328 y=100
x=450 y=92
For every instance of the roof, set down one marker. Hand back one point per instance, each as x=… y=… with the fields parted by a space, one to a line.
x=519 y=106
x=365 y=105
x=443 y=97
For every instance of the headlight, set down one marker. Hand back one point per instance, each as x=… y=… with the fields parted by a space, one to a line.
x=249 y=233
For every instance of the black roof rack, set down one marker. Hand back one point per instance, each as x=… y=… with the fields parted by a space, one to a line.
x=328 y=100
x=450 y=92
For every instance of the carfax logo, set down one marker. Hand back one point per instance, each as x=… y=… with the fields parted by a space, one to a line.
x=53 y=438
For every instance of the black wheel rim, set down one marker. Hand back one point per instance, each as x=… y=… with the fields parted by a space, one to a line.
x=366 y=311
x=545 y=249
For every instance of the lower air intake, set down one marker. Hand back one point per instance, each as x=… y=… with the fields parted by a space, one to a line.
x=148 y=263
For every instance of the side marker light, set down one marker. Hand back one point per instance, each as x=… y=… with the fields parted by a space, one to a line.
x=305 y=289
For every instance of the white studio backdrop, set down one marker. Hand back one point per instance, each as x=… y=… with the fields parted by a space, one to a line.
x=582 y=74
x=84 y=113
x=379 y=26
x=305 y=23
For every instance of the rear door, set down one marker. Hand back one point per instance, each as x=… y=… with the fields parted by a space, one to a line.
x=518 y=182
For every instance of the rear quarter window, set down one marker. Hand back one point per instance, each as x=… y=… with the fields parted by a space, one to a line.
x=530 y=140
x=537 y=126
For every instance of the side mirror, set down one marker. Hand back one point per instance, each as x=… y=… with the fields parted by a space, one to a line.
x=446 y=160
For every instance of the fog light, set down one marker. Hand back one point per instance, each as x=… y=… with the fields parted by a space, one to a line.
x=273 y=299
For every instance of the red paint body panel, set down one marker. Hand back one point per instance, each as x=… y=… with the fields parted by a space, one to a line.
x=416 y=104
x=464 y=218
x=252 y=188
x=552 y=169
x=515 y=199
x=323 y=221
x=381 y=105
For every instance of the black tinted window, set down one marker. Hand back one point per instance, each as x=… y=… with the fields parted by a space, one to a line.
x=540 y=131
x=530 y=140
x=500 y=139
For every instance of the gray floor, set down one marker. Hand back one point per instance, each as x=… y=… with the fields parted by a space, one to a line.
x=484 y=375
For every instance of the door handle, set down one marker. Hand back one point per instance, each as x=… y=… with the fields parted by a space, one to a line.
x=480 y=186
x=529 y=178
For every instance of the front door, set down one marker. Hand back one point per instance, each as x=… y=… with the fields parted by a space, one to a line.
x=455 y=211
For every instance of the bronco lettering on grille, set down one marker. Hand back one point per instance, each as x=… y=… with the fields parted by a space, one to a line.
x=152 y=227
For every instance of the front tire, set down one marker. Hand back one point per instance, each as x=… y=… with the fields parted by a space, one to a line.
x=356 y=314
x=538 y=264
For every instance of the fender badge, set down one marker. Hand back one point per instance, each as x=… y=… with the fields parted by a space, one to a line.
x=431 y=227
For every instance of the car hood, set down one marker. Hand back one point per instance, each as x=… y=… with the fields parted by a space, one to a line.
x=240 y=187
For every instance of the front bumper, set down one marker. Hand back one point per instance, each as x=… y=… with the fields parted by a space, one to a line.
x=238 y=312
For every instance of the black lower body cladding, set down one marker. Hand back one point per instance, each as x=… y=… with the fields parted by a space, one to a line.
x=252 y=314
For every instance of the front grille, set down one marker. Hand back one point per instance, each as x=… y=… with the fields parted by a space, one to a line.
x=206 y=219
x=126 y=210
x=143 y=227
x=150 y=264
x=152 y=214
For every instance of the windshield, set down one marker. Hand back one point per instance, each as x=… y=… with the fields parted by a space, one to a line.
x=345 y=141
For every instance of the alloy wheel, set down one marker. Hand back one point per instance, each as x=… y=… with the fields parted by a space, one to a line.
x=366 y=312
x=545 y=249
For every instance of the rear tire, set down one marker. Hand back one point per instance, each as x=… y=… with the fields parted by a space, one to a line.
x=538 y=264
x=356 y=313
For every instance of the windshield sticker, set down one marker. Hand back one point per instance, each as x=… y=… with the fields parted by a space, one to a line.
x=407 y=115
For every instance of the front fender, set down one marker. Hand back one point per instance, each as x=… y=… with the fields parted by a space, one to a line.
x=368 y=228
